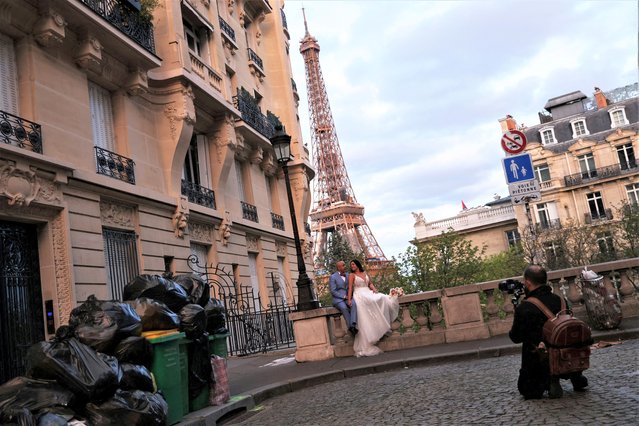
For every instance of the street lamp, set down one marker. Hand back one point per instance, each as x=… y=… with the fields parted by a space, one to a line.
x=305 y=296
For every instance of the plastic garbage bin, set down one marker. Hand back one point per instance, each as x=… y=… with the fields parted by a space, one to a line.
x=217 y=344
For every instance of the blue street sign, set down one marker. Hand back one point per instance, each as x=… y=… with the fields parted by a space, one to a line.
x=518 y=168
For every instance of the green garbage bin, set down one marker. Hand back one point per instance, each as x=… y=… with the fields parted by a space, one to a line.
x=167 y=370
x=217 y=344
x=202 y=399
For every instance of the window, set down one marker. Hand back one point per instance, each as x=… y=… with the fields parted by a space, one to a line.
x=201 y=253
x=542 y=172
x=579 y=127
x=633 y=193
x=543 y=215
x=595 y=203
x=101 y=117
x=282 y=281
x=191 y=172
x=617 y=117
x=121 y=254
x=192 y=38
x=513 y=238
x=269 y=195
x=587 y=166
x=255 y=283
x=606 y=246
x=547 y=135
x=554 y=252
x=9 y=73
x=239 y=172
x=626 y=155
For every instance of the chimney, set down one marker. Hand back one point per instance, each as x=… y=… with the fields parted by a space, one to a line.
x=507 y=123
x=600 y=98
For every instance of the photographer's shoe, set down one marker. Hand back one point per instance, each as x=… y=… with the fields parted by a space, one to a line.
x=579 y=383
x=555 y=391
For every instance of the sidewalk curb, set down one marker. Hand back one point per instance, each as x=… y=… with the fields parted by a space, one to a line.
x=245 y=402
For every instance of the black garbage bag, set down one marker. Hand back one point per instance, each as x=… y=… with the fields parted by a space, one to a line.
x=131 y=408
x=197 y=289
x=102 y=324
x=199 y=365
x=158 y=288
x=193 y=321
x=215 y=317
x=154 y=314
x=135 y=350
x=18 y=416
x=136 y=377
x=33 y=395
x=73 y=365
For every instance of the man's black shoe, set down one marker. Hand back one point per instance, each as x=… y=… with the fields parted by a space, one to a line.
x=579 y=383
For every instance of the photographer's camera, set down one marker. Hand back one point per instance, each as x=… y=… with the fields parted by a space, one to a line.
x=514 y=287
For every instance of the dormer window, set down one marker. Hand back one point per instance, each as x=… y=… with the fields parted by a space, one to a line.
x=547 y=135
x=579 y=127
x=617 y=117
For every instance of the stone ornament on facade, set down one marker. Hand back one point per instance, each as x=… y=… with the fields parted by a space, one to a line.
x=268 y=164
x=280 y=249
x=419 y=219
x=180 y=218
x=89 y=54
x=200 y=232
x=63 y=284
x=252 y=243
x=231 y=6
x=257 y=154
x=225 y=228
x=49 y=31
x=117 y=215
x=137 y=82
x=19 y=186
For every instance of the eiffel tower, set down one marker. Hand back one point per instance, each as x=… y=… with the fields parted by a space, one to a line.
x=335 y=209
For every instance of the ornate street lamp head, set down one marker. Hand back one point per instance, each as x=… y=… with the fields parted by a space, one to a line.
x=282 y=145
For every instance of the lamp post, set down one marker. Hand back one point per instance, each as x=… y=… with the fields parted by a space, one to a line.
x=306 y=299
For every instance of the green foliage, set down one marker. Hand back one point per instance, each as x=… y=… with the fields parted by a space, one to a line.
x=628 y=229
x=148 y=6
x=506 y=264
x=337 y=248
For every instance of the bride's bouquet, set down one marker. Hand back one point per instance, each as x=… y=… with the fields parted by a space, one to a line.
x=396 y=292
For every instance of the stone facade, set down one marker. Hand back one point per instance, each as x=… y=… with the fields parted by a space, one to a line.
x=158 y=133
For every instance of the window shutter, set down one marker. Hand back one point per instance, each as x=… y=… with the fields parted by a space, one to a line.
x=9 y=76
x=101 y=116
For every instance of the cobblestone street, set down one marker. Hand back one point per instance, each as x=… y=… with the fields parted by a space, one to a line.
x=463 y=393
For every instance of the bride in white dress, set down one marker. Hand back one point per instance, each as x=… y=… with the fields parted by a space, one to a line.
x=375 y=311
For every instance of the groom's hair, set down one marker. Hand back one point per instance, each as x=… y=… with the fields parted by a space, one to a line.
x=358 y=264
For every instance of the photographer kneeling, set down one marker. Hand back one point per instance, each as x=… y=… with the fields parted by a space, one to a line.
x=534 y=375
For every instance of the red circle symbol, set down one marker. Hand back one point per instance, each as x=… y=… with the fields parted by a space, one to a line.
x=513 y=142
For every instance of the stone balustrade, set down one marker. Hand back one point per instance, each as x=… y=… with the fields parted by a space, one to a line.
x=206 y=73
x=472 y=312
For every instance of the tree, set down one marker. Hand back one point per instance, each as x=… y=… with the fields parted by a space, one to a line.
x=628 y=229
x=506 y=264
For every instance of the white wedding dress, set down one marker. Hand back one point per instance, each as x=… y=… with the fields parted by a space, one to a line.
x=375 y=313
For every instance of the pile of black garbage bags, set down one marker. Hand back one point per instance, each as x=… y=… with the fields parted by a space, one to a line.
x=96 y=370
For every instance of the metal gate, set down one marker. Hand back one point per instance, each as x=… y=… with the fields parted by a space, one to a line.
x=252 y=329
x=21 y=313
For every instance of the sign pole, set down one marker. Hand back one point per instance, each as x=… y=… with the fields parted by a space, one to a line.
x=531 y=229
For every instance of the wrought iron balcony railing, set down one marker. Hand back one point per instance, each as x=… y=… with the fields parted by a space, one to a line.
x=293 y=85
x=198 y=194
x=278 y=221
x=125 y=18
x=249 y=212
x=548 y=224
x=114 y=165
x=19 y=132
x=307 y=228
x=252 y=115
x=226 y=29
x=256 y=59
x=284 y=24
x=599 y=173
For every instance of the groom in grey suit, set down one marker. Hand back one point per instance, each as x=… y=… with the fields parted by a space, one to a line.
x=338 y=283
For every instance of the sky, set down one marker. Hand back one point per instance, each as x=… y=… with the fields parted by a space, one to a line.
x=417 y=88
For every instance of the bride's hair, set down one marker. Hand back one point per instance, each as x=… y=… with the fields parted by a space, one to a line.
x=358 y=264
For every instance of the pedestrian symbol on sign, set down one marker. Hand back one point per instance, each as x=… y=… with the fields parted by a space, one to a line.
x=518 y=168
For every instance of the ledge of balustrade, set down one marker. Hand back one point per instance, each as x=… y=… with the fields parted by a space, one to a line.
x=471 y=312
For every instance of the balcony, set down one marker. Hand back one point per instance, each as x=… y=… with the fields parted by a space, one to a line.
x=252 y=115
x=307 y=228
x=114 y=165
x=278 y=221
x=548 y=224
x=255 y=63
x=227 y=30
x=599 y=173
x=284 y=23
x=19 y=132
x=206 y=73
x=546 y=185
x=198 y=194
x=125 y=18
x=249 y=212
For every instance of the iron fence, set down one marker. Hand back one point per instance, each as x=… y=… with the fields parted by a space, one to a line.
x=19 y=132
x=256 y=323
